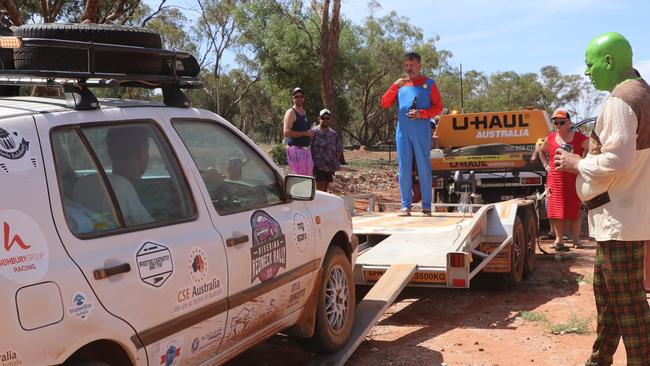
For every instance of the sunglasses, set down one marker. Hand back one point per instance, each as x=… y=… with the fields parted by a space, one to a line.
x=559 y=123
x=325 y=118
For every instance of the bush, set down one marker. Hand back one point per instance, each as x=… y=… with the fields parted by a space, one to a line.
x=279 y=154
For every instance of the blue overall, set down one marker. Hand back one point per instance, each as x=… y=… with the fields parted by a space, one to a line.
x=413 y=139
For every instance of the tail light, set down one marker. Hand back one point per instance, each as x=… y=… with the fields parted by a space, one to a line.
x=456 y=260
x=458 y=282
x=531 y=181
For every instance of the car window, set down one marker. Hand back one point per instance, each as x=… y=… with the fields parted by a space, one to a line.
x=127 y=170
x=236 y=177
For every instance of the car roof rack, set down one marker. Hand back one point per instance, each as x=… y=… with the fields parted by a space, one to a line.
x=75 y=84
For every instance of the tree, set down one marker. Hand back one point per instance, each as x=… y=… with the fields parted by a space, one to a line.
x=71 y=11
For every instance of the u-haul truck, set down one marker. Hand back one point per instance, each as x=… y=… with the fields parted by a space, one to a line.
x=497 y=147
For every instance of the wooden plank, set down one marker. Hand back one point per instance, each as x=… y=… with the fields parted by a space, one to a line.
x=370 y=309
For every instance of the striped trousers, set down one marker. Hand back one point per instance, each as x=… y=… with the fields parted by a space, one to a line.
x=621 y=303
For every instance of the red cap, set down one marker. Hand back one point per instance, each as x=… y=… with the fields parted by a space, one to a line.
x=560 y=113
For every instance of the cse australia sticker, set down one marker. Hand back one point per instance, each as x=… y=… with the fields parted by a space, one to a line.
x=23 y=254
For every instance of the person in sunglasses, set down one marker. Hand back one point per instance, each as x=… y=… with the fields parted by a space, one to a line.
x=326 y=150
x=298 y=134
x=563 y=208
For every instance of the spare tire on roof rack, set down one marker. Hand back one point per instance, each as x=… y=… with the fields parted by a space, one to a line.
x=65 y=59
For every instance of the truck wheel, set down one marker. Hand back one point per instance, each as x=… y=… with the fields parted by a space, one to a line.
x=65 y=59
x=531 y=244
x=335 y=309
x=517 y=252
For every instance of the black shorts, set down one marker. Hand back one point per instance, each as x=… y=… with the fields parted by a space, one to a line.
x=323 y=176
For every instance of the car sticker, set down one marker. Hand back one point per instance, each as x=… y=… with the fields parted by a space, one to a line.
x=81 y=308
x=24 y=254
x=155 y=264
x=15 y=154
x=269 y=250
x=10 y=358
x=297 y=293
x=301 y=230
x=171 y=351
x=207 y=341
x=240 y=322
x=204 y=286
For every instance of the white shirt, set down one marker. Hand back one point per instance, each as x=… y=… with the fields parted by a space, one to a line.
x=621 y=170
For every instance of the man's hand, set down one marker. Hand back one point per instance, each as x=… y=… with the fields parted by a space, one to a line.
x=401 y=82
x=565 y=161
x=414 y=113
x=309 y=133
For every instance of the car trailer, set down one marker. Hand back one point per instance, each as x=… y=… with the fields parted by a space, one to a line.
x=447 y=249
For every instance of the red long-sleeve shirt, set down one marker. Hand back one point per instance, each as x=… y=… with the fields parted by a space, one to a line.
x=390 y=96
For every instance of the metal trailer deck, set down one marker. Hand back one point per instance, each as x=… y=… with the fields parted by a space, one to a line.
x=448 y=248
x=445 y=250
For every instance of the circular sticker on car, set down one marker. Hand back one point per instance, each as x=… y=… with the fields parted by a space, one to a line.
x=23 y=255
x=198 y=264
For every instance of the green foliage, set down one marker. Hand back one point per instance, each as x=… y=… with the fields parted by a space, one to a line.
x=575 y=325
x=279 y=154
x=533 y=316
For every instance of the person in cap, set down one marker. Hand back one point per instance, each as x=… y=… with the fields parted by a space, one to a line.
x=298 y=134
x=326 y=150
x=418 y=100
x=563 y=205
x=613 y=181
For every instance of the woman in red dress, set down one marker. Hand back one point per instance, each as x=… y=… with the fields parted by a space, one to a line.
x=563 y=207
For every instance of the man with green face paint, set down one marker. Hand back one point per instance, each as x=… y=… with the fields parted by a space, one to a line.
x=613 y=181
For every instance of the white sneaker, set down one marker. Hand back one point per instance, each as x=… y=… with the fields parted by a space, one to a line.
x=405 y=211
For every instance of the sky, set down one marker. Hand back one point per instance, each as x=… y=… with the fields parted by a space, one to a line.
x=524 y=35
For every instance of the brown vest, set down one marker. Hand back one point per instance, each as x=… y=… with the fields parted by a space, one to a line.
x=636 y=94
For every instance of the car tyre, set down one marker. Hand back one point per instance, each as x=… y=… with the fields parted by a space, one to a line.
x=531 y=243
x=64 y=59
x=336 y=303
x=517 y=253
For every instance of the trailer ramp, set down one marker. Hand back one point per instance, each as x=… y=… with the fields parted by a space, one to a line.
x=370 y=309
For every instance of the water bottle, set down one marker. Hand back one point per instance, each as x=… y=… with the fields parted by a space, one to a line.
x=414 y=105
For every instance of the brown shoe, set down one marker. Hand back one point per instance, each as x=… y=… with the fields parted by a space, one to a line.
x=426 y=213
x=405 y=211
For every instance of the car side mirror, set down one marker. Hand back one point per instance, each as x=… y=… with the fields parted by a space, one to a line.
x=300 y=187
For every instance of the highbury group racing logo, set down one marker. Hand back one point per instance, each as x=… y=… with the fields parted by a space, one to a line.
x=12 y=146
x=269 y=250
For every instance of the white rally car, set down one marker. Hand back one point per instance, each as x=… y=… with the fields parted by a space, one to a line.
x=143 y=233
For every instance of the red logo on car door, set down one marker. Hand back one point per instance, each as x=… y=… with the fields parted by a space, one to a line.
x=16 y=239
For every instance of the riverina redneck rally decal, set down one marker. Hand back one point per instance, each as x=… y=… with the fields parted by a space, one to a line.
x=14 y=152
x=269 y=250
x=23 y=255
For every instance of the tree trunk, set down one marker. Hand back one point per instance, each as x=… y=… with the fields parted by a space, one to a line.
x=329 y=44
x=90 y=13
x=12 y=11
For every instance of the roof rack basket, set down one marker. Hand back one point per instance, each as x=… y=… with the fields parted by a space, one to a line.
x=76 y=84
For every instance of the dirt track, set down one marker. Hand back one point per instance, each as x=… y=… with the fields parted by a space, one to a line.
x=483 y=325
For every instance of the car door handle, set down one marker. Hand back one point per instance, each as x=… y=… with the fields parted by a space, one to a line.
x=237 y=240
x=106 y=272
